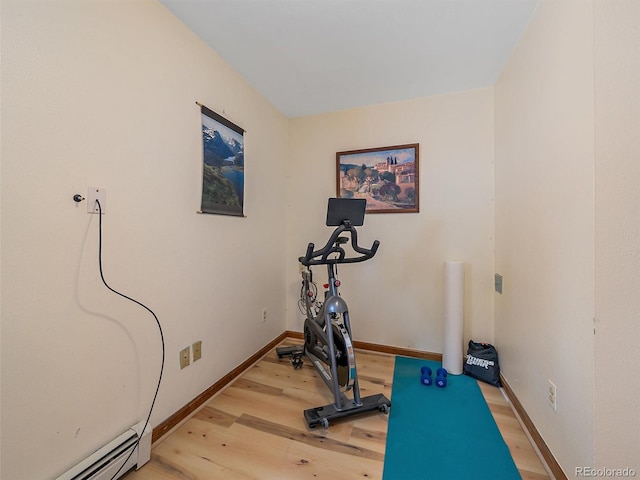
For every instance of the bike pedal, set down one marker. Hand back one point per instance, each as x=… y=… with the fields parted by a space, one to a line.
x=297 y=361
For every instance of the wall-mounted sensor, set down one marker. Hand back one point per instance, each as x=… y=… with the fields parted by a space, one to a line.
x=498 y=283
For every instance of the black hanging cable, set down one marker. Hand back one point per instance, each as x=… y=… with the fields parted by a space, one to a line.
x=155 y=395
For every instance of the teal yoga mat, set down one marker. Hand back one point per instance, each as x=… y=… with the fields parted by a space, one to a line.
x=442 y=433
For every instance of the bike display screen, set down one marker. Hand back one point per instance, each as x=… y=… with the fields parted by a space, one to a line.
x=341 y=209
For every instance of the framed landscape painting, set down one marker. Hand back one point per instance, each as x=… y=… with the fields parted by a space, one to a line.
x=387 y=177
x=223 y=165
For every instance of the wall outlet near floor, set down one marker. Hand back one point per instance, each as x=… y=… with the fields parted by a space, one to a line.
x=184 y=357
x=552 y=396
x=197 y=350
x=264 y=315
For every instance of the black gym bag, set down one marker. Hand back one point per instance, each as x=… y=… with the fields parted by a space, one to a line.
x=482 y=363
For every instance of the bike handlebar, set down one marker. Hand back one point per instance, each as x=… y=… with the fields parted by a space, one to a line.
x=321 y=256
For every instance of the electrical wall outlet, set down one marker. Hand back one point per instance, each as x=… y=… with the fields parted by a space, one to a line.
x=197 y=350
x=264 y=315
x=553 y=396
x=184 y=357
x=93 y=194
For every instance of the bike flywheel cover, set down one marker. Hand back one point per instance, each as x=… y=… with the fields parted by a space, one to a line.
x=345 y=357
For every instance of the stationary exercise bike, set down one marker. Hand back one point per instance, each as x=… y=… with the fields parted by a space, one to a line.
x=327 y=329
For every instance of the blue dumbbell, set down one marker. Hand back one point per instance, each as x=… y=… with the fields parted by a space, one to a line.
x=425 y=378
x=441 y=378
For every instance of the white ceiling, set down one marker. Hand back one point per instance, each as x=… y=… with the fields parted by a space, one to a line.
x=315 y=56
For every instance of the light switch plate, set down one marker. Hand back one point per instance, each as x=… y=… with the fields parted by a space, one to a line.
x=184 y=357
x=197 y=350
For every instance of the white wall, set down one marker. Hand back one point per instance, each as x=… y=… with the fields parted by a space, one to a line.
x=544 y=179
x=396 y=297
x=617 y=266
x=103 y=94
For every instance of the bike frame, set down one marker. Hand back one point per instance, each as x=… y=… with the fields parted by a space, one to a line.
x=321 y=325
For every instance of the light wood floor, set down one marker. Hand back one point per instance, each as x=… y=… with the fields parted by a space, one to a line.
x=254 y=429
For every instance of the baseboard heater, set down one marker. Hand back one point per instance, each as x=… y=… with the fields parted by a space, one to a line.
x=105 y=462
